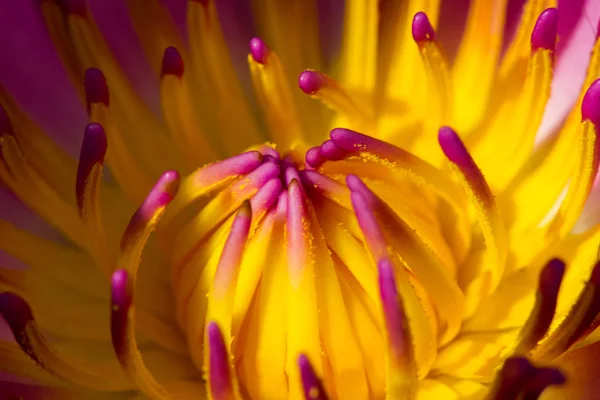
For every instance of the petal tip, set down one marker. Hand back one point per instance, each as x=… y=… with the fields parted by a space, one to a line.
x=544 y=32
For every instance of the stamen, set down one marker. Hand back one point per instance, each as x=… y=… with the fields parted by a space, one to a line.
x=25 y=181
x=145 y=219
x=520 y=46
x=154 y=28
x=398 y=161
x=212 y=177
x=126 y=167
x=55 y=20
x=360 y=45
x=265 y=198
x=416 y=255
x=479 y=53
x=221 y=385
x=484 y=204
x=180 y=114
x=87 y=187
x=584 y=312
x=438 y=72
x=133 y=241
x=586 y=166
x=426 y=346
x=122 y=327
x=334 y=96
x=219 y=81
x=224 y=282
x=274 y=95
x=509 y=381
x=190 y=237
x=544 y=31
x=402 y=369
x=314 y=157
x=302 y=323
x=17 y=314
x=520 y=122
x=332 y=152
x=541 y=317
x=543 y=378
x=313 y=388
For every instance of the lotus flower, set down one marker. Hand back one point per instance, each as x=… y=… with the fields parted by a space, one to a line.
x=322 y=202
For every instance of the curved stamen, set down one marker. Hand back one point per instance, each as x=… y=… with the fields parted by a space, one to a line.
x=509 y=381
x=274 y=95
x=302 y=324
x=212 y=177
x=179 y=110
x=124 y=281
x=19 y=317
x=334 y=96
x=220 y=384
x=87 y=187
x=363 y=205
x=437 y=69
x=122 y=328
x=313 y=388
x=123 y=162
x=583 y=313
x=402 y=373
x=543 y=378
x=541 y=317
x=586 y=166
x=543 y=35
x=484 y=204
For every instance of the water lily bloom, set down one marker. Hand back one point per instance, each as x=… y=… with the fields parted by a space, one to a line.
x=302 y=217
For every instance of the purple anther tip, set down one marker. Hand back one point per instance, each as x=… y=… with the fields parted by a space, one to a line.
x=310 y=82
x=93 y=147
x=544 y=32
x=93 y=151
x=96 y=89
x=15 y=311
x=172 y=63
x=331 y=151
x=77 y=7
x=314 y=157
x=5 y=125
x=552 y=274
x=219 y=365
x=259 y=50
x=421 y=28
x=452 y=146
x=590 y=107
x=313 y=389
x=595 y=278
